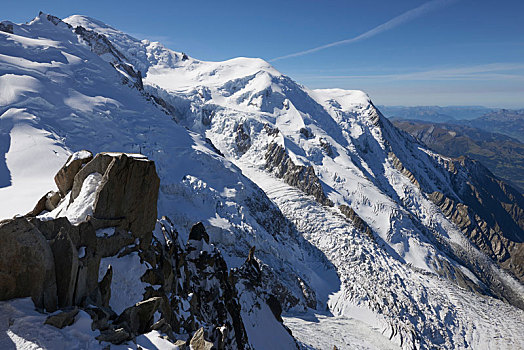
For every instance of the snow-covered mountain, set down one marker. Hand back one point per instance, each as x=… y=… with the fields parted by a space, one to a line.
x=359 y=229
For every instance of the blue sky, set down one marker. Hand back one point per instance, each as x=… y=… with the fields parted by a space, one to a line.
x=439 y=52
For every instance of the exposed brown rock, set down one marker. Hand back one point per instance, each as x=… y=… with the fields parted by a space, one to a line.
x=115 y=336
x=302 y=177
x=128 y=190
x=198 y=341
x=65 y=176
x=138 y=318
x=242 y=139
x=27 y=266
x=359 y=223
x=62 y=319
x=66 y=267
x=400 y=167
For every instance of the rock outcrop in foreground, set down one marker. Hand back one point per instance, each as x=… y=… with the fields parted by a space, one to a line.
x=68 y=254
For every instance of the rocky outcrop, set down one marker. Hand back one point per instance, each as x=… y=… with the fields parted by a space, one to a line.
x=48 y=202
x=27 y=267
x=66 y=175
x=128 y=191
x=257 y=302
x=138 y=319
x=214 y=298
x=65 y=256
x=488 y=212
x=307 y=133
x=62 y=319
x=199 y=342
x=400 y=167
x=99 y=43
x=242 y=139
x=357 y=221
x=6 y=27
x=189 y=288
x=56 y=262
x=302 y=177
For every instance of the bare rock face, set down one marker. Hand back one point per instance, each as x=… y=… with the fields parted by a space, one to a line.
x=27 y=267
x=65 y=176
x=359 y=223
x=6 y=26
x=214 y=300
x=138 y=319
x=199 y=342
x=62 y=319
x=242 y=139
x=66 y=267
x=128 y=190
x=48 y=202
x=302 y=177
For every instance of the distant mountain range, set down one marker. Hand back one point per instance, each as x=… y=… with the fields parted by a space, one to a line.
x=502 y=154
x=435 y=113
x=504 y=121
x=274 y=217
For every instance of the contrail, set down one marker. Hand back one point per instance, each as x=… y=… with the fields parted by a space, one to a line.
x=392 y=23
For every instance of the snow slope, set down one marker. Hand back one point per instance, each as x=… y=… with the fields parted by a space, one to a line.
x=404 y=280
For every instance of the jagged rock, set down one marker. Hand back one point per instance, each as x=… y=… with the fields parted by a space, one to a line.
x=66 y=267
x=271 y=131
x=243 y=140
x=48 y=202
x=400 y=167
x=99 y=43
x=105 y=287
x=163 y=326
x=138 y=318
x=109 y=246
x=6 y=27
x=27 y=266
x=128 y=190
x=307 y=133
x=182 y=345
x=302 y=177
x=214 y=300
x=65 y=176
x=115 y=336
x=198 y=233
x=82 y=237
x=326 y=147
x=359 y=223
x=198 y=341
x=63 y=319
x=101 y=317
x=256 y=301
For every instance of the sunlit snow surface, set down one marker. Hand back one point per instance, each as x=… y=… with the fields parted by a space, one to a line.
x=58 y=97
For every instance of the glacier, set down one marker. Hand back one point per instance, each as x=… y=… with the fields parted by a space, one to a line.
x=396 y=272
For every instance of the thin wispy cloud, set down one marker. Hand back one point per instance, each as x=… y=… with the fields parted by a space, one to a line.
x=392 y=23
x=491 y=71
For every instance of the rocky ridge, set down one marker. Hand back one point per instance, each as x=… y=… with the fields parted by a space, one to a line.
x=57 y=256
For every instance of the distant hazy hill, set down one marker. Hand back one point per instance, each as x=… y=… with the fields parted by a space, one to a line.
x=503 y=155
x=505 y=121
x=434 y=113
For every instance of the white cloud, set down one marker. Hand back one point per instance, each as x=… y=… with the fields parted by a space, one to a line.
x=491 y=71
